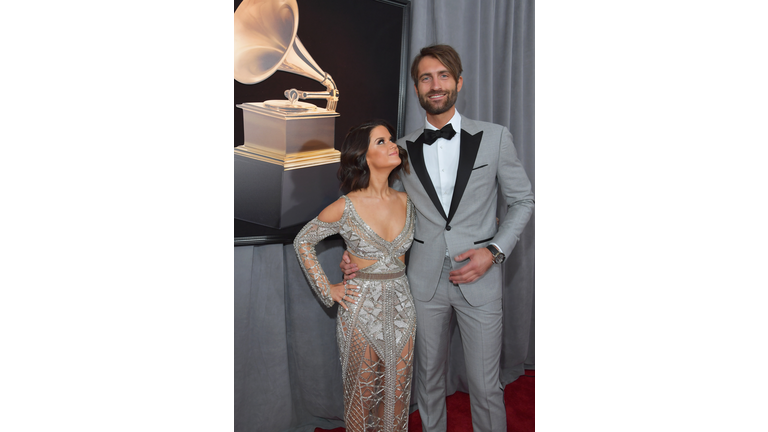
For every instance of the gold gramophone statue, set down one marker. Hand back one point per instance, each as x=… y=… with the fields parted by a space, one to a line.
x=285 y=171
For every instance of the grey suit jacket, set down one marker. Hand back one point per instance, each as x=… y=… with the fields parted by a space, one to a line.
x=487 y=163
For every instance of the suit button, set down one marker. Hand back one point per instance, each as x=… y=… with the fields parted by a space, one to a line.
x=447 y=227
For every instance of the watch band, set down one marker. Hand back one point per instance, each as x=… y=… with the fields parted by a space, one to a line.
x=498 y=256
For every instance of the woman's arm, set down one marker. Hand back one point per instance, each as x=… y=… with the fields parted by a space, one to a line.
x=304 y=244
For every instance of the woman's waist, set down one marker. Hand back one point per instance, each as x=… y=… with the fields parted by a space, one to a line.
x=385 y=268
x=379 y=274
x=376 y=261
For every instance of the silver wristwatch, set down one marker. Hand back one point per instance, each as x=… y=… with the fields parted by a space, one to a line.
x=498 y=256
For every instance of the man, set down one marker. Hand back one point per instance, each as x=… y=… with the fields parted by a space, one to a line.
x=454 y=264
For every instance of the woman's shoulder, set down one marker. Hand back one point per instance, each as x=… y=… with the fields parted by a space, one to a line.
x=334 y=211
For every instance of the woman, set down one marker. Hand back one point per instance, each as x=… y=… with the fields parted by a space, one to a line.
x=376 y=324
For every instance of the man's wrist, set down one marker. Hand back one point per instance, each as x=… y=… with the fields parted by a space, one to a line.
x=496 y=253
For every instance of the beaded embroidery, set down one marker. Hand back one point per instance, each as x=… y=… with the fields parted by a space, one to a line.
x=376 y=335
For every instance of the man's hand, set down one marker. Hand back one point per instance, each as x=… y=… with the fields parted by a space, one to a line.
x=480 y=260
x=349 y=268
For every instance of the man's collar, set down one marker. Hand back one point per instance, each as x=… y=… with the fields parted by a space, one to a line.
x=455 y=121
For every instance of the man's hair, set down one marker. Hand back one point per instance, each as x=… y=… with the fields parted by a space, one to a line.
x=445 y=54
x=353 y=170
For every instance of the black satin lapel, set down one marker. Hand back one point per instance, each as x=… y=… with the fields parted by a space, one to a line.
x=470 y=144
x=416 y=150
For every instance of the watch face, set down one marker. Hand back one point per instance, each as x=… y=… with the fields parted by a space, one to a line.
x=498 y=257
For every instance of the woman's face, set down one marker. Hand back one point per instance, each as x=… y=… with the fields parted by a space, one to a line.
x=382 y=152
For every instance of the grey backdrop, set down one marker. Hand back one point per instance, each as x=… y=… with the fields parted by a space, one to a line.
x=287 y=371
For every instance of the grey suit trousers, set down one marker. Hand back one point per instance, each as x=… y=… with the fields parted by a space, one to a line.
x=480 y=328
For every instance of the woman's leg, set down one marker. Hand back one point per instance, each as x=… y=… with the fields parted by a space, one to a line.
x=362 y=384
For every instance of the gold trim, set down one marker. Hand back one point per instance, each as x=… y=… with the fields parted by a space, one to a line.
x=291 y=161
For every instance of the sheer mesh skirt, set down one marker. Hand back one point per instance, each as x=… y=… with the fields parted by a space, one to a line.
x=376 y=338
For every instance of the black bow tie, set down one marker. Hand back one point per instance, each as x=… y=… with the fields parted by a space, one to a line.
x=430 y=136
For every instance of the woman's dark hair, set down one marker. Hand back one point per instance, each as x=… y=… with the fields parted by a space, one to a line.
x=353 y=170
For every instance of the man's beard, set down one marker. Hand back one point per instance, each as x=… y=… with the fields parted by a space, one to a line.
x=431 y=108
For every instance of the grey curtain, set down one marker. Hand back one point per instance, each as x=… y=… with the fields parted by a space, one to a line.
x=287 y=370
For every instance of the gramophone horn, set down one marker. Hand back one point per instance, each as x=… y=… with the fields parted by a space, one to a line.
x=265 y=41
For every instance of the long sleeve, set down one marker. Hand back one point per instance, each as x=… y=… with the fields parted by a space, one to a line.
x=516 y=189
x=304 y=244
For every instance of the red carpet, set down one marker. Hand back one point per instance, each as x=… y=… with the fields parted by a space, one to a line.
x=519 y=398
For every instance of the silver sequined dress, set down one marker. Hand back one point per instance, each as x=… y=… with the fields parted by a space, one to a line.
x=376 y=335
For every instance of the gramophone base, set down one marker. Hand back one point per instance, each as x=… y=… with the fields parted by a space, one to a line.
x=287 y=133
x=267 y=194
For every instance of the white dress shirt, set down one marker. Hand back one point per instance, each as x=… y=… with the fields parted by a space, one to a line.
x=442 y=161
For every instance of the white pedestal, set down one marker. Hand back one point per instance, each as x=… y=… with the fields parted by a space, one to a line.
x=285 y=172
